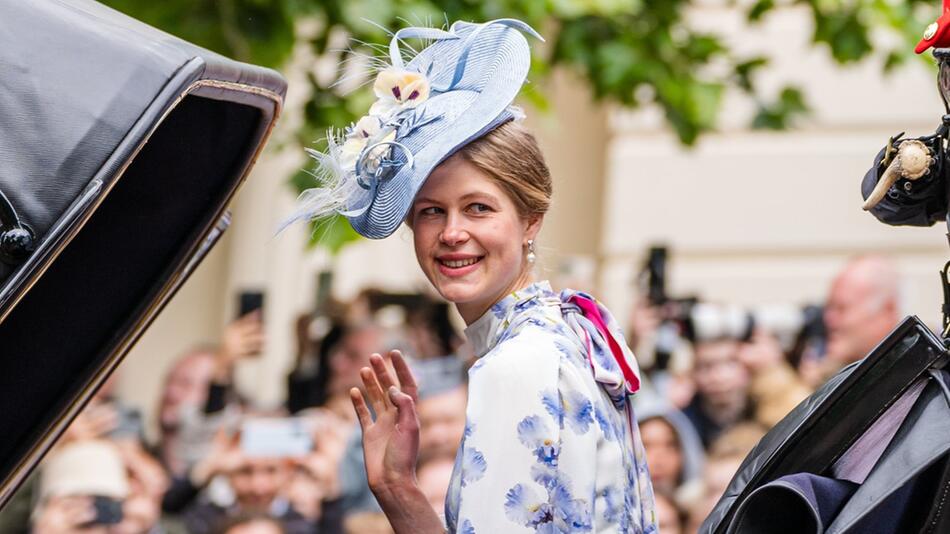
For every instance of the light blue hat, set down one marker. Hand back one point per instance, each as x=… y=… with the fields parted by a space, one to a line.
x=452 y=92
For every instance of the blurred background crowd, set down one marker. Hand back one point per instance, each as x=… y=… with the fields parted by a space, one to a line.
x=716 y=378
x=220 y=463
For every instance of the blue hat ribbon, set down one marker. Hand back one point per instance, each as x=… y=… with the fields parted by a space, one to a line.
x=431 y=33
x=418 y=33
x=472 y=38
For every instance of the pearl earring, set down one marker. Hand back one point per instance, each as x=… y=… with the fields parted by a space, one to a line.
x=531 y=256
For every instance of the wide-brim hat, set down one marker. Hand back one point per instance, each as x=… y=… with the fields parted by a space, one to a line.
x=91 y=467
x=452 y=92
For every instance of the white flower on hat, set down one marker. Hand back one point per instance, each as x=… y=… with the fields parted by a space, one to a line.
x=367 y=131
x=366 y=127
x=398 y=89
x=350 y=153
x=357 y=137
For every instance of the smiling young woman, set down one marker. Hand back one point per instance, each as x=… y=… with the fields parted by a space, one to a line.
x=545 y=445
x=551 y=443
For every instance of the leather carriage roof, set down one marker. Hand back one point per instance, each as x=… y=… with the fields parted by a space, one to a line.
x=120 y=148
x=78 y=77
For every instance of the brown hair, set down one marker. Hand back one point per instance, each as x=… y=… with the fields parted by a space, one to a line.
x=510 y=155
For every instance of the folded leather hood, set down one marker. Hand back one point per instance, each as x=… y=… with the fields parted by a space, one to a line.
x=812 y=440
x=120 y=148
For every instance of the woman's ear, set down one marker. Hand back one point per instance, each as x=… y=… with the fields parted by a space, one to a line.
x=533 y=226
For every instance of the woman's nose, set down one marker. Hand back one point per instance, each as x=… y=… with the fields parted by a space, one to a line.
x=454 y=232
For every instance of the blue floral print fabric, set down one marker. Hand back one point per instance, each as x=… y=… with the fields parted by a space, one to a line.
x=550 y=443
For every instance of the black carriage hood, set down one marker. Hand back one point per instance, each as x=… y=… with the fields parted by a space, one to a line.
x=813 y=436
x=120 y=148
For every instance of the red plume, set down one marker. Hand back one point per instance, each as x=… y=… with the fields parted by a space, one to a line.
x=937 y=35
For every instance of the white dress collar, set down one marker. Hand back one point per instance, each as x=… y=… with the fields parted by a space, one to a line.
x=486 y=331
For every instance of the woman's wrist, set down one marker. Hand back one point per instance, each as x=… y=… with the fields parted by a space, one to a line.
x=407 y=508
x=395 y=490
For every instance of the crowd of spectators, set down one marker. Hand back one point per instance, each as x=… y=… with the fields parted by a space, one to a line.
x=702 y=415
x=219 y=464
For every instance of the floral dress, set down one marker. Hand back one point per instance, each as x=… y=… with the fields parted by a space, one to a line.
x=551 y=443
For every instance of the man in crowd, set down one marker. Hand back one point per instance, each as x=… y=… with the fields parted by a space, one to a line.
x=257 y=483
x=739 y=381
x=722 y=389
x=92 y=482
x=442 y=422
x=185 y=389
x=863 y=307
x=197 y=400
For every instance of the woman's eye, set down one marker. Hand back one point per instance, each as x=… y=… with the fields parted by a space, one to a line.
x=431 y=210
x=480 y=208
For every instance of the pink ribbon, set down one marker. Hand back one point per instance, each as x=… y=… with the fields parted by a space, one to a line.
x=592 y=312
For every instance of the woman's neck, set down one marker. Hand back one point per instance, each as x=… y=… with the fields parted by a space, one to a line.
x=473 y=310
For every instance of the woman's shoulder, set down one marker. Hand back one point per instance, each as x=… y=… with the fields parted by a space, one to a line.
x=540 y=341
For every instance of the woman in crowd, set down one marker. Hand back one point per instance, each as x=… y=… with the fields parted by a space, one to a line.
x=674 y=451
x=551 y=442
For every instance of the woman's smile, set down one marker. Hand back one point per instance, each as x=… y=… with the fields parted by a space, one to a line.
x=458 y=265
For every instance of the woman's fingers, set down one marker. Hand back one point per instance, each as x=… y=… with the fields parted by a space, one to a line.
x=379 y=381
x=385 y=378
x=362 y=412
x=377 y=397
x=405 y=410
x=407 y=383
x=78 y=510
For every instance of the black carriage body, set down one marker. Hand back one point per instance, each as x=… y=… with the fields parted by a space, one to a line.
x=120 y=148
x=904 y=491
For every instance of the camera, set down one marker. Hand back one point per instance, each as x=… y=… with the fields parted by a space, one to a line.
x=798 y=328
x=108 y=511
